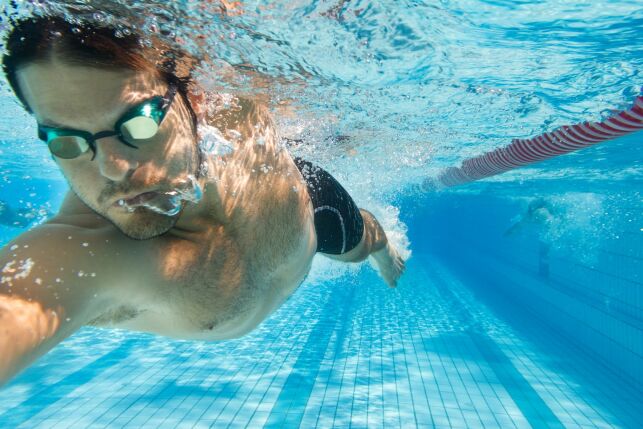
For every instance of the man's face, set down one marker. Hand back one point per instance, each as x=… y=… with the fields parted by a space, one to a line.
x=65 y=95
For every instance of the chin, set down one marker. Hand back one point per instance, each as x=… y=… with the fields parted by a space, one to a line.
x=144 y=224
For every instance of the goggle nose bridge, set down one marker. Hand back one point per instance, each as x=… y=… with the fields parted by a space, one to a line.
x=104 y=134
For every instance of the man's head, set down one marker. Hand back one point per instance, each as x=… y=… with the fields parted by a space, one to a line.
x=86 y=78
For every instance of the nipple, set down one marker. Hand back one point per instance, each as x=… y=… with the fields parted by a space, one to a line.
x=167 y=203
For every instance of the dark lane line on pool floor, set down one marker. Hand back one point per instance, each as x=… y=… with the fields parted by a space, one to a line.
x=35 y=404
x=290 y=405
x=531 y=405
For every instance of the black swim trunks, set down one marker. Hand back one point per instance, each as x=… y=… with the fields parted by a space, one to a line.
x=338 y=222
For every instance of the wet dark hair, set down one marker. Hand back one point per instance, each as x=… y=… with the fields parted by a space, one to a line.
x=38 y=38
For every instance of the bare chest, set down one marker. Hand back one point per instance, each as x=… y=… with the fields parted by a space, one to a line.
x=242 y=264
x=219 y=286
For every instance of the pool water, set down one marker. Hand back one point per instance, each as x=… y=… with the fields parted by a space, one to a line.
x=506 y=316
x=436 y=352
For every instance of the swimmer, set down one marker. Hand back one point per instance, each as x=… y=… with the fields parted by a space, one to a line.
x=156 y=234
x=539 y=214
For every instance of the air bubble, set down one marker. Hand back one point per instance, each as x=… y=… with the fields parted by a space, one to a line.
x=170 y=203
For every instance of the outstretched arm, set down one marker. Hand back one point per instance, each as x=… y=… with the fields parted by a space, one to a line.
x=375 y=244
x=48 y=290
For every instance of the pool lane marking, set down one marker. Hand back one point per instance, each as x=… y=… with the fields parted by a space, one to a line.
x=290 y=405
x=531 y=405
x=35 y=404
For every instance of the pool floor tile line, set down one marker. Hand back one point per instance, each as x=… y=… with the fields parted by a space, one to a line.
x=59 y=390
x=531 y=405
x=345 y=353
x=295 y=394
x=610 y=385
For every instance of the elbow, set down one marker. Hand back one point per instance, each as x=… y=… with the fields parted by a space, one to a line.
x=27 y=331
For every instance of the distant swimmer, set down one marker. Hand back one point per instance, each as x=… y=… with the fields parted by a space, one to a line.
x=541 y=217
x=158 y=234
x=539 y=214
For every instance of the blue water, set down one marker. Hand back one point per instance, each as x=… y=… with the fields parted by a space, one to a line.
x=541 y=327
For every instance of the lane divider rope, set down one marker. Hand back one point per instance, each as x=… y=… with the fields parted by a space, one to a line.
x=520 y=152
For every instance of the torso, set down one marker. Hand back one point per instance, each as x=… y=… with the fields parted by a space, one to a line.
x=252 y=246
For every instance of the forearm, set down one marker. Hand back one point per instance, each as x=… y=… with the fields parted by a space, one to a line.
x=44 y=294
x=27 y=331
x=35 y=316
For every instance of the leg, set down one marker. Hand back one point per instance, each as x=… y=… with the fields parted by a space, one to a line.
x=344 y=232
x=375 y=244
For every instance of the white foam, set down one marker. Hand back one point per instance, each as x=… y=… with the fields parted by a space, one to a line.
x=396 y=230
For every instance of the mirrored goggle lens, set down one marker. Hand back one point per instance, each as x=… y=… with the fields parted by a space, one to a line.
x=68 y=147
x=139 y=128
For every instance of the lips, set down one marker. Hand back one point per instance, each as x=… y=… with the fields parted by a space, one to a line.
x=137 y=199
x=141 y=198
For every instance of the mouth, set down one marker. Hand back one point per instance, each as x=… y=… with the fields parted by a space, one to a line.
x=166 y=203
x=137 y=199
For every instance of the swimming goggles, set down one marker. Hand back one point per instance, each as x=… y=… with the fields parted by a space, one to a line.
x=138 y=124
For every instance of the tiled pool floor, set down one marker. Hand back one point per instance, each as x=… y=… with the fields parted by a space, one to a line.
x=347 y=353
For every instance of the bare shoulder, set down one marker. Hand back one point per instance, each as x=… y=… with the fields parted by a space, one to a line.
x=55 y=278
x=74 y=247
x=262 y=192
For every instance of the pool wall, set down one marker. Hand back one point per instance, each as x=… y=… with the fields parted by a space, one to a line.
x=584 y=284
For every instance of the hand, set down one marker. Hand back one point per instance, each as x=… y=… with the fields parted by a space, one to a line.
x=390 y=264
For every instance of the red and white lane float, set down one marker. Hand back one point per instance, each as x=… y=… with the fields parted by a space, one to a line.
x=565 y=139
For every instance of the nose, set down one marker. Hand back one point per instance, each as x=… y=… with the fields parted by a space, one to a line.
x=115 y=160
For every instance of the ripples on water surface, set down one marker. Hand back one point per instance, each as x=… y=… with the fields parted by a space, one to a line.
x=386 y=93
